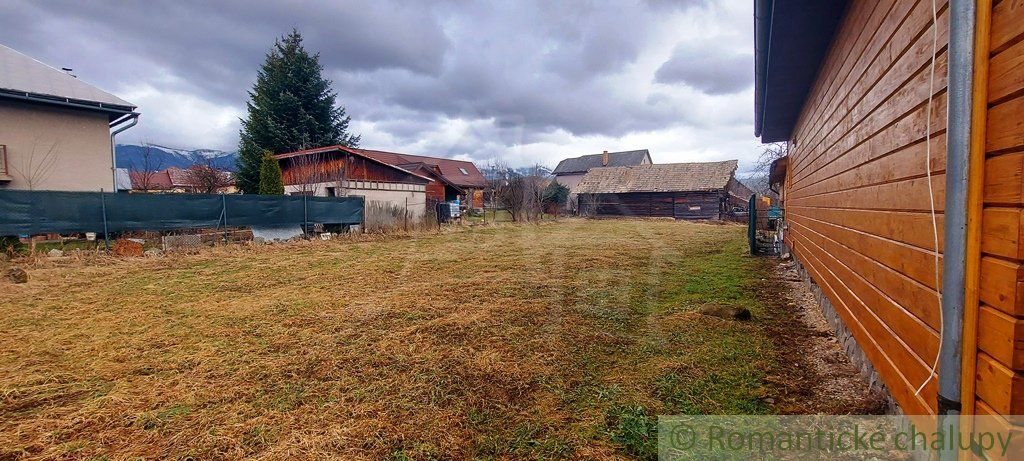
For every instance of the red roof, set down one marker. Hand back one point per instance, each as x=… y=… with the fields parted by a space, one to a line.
x=458 y=172
x=170 y=178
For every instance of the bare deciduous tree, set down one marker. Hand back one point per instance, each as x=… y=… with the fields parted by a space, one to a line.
x=520 y=194
x=145 y=169
x=37 y=164
x=310 y=173
x=205 y=179
x=769 y=154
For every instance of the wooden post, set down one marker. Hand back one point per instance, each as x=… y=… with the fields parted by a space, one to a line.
x=406 y=217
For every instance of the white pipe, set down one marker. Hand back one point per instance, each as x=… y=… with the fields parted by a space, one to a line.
x=113 y=146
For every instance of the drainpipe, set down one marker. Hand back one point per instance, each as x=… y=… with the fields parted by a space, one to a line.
x=962 y=16
x=134 y=117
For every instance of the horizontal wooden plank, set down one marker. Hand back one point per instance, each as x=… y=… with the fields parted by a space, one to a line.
x=903 y=86
x=907 y=195
x=904 y=130
x=918 y=300
x=990 y=421
x=1006 y=72
x=1002 y=231
x=1004 y=180
x=876 y=54
x=999 y=387
x=905 y=162
x=1007 y=20
x=907 y=227
x=1001 y=336
x=852 y=38
x=912 y=262
x=1005 y=126
x=898 y=57
x=1001 y=285
x=874 y=293
x=892 y=363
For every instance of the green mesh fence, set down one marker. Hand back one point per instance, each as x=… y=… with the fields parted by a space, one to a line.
x=40 y=212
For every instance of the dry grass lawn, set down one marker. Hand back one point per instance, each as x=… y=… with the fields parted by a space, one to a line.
x=559 y=341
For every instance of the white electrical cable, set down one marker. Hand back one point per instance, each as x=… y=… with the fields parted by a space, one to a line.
x=931 y=193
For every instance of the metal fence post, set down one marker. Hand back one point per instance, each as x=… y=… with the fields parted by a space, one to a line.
x=305 y=217
x=224 y=213
x=103 y=206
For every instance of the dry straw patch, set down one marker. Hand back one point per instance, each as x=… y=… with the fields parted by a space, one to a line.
x=549 y=341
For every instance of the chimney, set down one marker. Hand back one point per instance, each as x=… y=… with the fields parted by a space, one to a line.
x=604 y=158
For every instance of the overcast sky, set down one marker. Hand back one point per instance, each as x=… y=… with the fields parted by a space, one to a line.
x=520 y=81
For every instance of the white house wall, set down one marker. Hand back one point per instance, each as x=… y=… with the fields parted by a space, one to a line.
x=396 y=194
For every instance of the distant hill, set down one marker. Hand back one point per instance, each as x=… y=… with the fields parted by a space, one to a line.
x=132 y=156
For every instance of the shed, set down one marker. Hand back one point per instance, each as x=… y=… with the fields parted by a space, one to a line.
x=672 y=190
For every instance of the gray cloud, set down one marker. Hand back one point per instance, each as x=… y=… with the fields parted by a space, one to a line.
x=710 y=70
x=530 y=80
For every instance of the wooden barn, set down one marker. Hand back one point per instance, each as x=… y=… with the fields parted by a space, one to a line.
x=337 y=171
x=453 y=179
x=670 y=190
x=904 y=187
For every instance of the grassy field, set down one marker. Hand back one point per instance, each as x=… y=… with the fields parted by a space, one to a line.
x=562 y=340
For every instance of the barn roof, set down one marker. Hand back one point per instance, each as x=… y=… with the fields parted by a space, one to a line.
x=362 y=153
x=584 y=163
x=460 y=173
x=791 y=38
x=665 y=177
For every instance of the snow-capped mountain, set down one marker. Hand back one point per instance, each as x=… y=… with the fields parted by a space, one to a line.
x=134 y=156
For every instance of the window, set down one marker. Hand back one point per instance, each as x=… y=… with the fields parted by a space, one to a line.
x=331 y=192
x=463 y=170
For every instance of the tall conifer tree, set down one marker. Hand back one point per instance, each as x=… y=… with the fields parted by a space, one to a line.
x=291 y=107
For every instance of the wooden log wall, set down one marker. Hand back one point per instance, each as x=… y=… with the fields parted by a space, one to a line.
x=679 y=205
x=999 y=382
x=330 y=166
x=857 y=196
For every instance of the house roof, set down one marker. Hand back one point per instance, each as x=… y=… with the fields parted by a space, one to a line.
x=352 y=151
x=586 y=162
x=451 y=169
x=433 y=171
x=665 y=177
x=169 y=178
x=791 y=38
x=24 y=78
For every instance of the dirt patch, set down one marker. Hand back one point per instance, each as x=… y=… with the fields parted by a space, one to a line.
x=819 y=377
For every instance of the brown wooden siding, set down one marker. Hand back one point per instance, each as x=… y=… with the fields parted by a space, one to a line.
x=328 y=167
x=858 y=202
x=857 y=196
x=679 y=205
x=999 y=382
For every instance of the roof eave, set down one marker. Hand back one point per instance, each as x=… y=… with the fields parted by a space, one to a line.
x=791 y=39
x=114 y=110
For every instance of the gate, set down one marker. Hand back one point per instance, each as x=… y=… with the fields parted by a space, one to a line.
x=764 y=226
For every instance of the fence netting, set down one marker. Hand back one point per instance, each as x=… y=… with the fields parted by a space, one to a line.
x=40 y=212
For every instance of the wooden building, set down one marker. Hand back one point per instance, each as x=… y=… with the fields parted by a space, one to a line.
x=453 y=179
x=337 y=171
x=671 y=190
x=570 y=171
x=852 y=87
